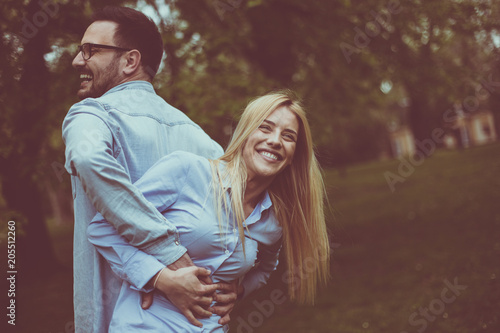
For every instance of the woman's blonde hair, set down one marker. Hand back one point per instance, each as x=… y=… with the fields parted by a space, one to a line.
x=297 y=194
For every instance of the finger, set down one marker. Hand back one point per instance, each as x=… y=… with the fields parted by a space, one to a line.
x=200 y=312
x=201 y=272
x=190 y=317
x=226 y=298
x=204 y=301
x=207 y=289
x=205 y=279
x=223 y=286
x=221 y=310
x=225 y=320
x=146 y=300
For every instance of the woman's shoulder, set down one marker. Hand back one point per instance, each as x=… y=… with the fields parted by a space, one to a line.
x=184 y=158
x=178 y=164
x=194 y=165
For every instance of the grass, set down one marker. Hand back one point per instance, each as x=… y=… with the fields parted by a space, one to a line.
x=395 y=250
x=393 y=253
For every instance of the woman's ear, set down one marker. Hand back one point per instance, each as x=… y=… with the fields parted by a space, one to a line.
x=133 y=62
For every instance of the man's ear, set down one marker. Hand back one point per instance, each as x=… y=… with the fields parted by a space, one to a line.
x=133 y=62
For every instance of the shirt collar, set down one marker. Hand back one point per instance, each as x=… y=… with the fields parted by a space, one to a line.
x=137 y=85
x=263 y=205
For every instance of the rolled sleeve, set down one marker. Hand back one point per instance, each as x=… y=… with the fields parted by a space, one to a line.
x=127 y=262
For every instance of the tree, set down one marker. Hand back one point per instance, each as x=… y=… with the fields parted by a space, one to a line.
x=35 y=97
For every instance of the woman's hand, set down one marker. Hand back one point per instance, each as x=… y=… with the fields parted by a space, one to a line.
x=226 y=297
x=183 y=287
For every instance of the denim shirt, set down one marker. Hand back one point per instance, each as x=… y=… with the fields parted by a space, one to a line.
x=180 y=187
x=110 y=143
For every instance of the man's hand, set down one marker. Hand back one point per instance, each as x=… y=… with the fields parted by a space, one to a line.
x=185 y=290
x=226 y=297
x=184 y=261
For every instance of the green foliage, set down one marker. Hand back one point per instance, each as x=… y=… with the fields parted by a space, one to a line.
x=220 y=54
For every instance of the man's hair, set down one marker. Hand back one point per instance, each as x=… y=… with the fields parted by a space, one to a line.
x=135 y=31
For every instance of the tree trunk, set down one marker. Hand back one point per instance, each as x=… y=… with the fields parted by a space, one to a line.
x=22 y=168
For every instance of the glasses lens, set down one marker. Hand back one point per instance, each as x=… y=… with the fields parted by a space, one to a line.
x=86 y=51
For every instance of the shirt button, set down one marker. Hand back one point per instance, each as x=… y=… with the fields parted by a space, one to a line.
x=176 y=242
x=234 y=230
x=226 y=252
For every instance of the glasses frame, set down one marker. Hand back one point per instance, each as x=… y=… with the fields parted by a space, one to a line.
x=99 y=46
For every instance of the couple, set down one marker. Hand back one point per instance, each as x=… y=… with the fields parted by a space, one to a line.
x=169 y=230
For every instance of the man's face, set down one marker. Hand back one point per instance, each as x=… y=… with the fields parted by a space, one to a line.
x=102 y=71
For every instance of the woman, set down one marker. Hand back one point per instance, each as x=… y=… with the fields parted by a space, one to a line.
x=234 y=214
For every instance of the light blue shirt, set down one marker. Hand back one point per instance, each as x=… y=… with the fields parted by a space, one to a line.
x=110 y=143
x=179 y=186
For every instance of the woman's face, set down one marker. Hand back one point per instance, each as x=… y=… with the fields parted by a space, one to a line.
x=270 y=148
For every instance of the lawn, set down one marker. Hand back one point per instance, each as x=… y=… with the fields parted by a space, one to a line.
x=422 y=258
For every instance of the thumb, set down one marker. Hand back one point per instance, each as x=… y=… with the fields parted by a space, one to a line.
x=202 y=272
x=147 y=300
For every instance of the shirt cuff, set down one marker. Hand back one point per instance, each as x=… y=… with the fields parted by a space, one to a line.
x=167 y=251
x=140 y=269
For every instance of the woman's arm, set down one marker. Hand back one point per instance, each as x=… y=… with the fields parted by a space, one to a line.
x=259 y=275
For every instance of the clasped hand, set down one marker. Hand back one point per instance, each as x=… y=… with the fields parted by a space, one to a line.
x=192 y=291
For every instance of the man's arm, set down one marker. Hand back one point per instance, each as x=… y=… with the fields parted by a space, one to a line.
x=90 y=156
x=182 y=286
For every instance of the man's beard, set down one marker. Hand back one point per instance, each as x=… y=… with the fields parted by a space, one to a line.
x=101 y=81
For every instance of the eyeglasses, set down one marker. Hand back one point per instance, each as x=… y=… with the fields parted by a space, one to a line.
x=87 y=48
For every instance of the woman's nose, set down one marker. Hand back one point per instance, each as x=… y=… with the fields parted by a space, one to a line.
x=273 y=139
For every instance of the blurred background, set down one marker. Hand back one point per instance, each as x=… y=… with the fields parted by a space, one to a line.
x=404 y=101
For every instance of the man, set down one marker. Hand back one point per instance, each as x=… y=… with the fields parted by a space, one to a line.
x=118 y=130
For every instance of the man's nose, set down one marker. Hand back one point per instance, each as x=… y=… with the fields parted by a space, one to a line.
x=78 y=60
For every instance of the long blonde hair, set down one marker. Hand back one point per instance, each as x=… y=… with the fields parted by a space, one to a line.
x=297 y=194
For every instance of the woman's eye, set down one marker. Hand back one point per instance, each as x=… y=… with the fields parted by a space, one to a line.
x=265 y=127
x=289 y=137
